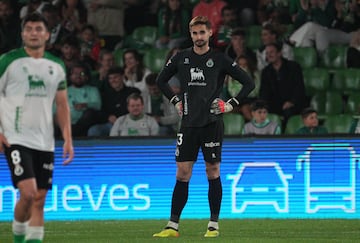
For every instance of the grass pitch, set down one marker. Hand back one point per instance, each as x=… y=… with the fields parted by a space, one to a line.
x=254 y=230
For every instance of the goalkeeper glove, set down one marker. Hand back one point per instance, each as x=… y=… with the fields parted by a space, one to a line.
x=218 y=106
x=176 y=101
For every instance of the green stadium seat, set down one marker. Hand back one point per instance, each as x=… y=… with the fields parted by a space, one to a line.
x=275 y=118
x=144 y=37
x=253 y=36
x=338 y=123
x=293 y=124
x=155 y=59
x=346 y=80
x=118 y=55
x=334 y=57
x=315 y=80
x=334 y=103
x=327 y=103
x=305 y=56
x=353 y=104
x=233 y=123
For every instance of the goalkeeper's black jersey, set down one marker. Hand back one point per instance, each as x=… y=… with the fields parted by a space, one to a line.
x=201 y=79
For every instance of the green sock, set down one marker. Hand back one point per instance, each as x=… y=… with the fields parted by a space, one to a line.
x=33 y=241
x=19 y=238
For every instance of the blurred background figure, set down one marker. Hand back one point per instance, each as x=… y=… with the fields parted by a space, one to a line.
x=136 y=123
x=282 y=84
x=260 y=124
x=160 y=108
x=108 y=17
x=113 y=102
x=84 y=100
x=57 y=31
x=173 y=21
x=233 y=87
x=311 y=123
x=73 y=14
x=10 y=37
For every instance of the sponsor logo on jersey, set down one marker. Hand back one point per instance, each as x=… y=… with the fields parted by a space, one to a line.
x=212 y=144
x=49 y=166
x=36 y=86
x=196 y=75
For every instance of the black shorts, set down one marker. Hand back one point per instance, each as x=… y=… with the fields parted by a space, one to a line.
x=209 y=138
x=25 y=163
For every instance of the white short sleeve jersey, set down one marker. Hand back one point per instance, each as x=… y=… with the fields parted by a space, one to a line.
x=27 y=90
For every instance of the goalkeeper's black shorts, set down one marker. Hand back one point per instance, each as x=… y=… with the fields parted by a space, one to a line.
x=209 y=138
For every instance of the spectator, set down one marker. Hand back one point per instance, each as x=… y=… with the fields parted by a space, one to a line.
x=108 y=18
x=311 y=123
x=233 y=87
x=212 y=10
x=32 y=6
x=273 y=11
x=260 y=123
x=135 y=71
x=246 y=10
x=347 y=15
x=314 y=11
x=270 y=33
x=229 y=22
x=353 y=52
x=70 y=53
x=355 y=126
x=89 y=45
x=160 y=108
x=136 y=123
x=73 y=14
x=10 y=37
x=57 y=31
x=173 y=21
x=84 y=100
x=282 y=84
x=237 y=46
x=113 y=99
x=322 y=24
x=105 y=62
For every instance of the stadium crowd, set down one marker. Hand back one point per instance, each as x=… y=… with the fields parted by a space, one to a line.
x=303 y=55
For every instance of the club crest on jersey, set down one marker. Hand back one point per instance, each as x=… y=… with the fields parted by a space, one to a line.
x=210 y=63
x=186 y=60
x=196 y=74
x=51 y=70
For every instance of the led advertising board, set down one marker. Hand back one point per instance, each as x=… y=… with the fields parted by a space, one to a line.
x=272 y=177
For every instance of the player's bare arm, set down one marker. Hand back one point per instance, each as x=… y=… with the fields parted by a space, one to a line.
x=63 y=118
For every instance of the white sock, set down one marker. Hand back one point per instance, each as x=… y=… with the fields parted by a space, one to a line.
x=213 y=224
x=35 y=233
x=19 y=228
x=173 y=225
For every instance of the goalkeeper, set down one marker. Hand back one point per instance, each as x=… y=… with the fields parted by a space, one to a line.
x=201 y=72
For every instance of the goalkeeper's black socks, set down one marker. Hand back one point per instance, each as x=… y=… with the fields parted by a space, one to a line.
x=179 y=199
x=215 y=196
